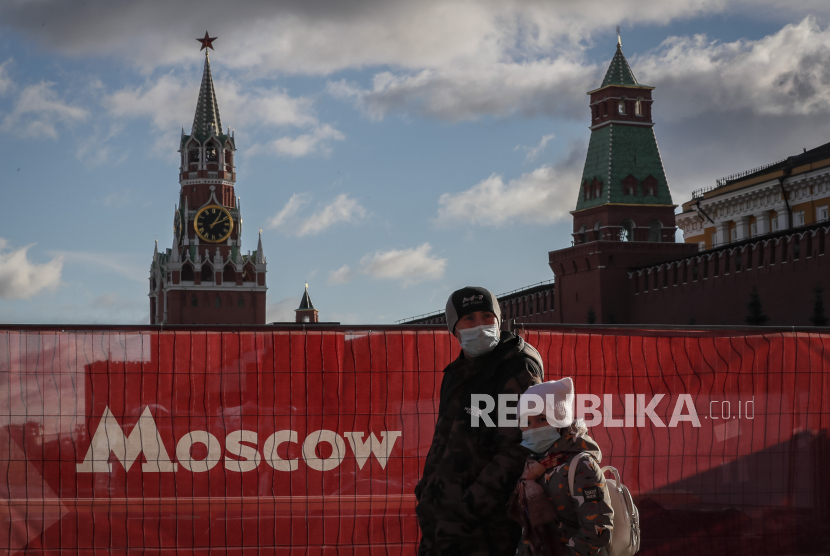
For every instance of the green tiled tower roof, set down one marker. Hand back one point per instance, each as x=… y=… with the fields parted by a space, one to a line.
x=619 y=72
x=614 y=153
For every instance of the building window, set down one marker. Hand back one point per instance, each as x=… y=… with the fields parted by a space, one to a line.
x=306 y=318
x=821 y=213
x=701 y=246
x=638 y=107
x=733 y=234
x=583 y=237
x=207 y=273
x=217 y=302
x=754 y=229
x=621 y=107
x=798 y=218
x=194 y=301
x=187 y=273
x=241 y=301
x=774 y=221
x=714 y=238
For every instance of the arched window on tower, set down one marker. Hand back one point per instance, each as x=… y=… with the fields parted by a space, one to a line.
x=583 y=236
x=210 y=153
x=650 y=185
x=627 y=230
x=193 y=156
x=597 y=230
x=655 y=231
x=229 y=275
x=248 y=275
x=638 y=107
x=629 y=184
x=621 y=107
x=187 y=272
x=207 y=273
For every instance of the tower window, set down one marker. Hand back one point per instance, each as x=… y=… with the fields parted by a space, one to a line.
x=207 y=273
x=638 y=107
x=583 y=237
x=621 y=107
x=194 y=301
x=187 y=273
x=627 y=231
x=210 y=154
x=655 y=231
x=306 y=319
x=217 y=302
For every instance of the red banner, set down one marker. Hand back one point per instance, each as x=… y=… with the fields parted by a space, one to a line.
x=286 y=441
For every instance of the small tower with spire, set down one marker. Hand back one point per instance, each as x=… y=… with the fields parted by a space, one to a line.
x=204 y=278
x=306 y=313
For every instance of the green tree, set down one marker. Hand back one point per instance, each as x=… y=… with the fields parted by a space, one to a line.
x=756 y=316
x=592 y=316
x=819 y=318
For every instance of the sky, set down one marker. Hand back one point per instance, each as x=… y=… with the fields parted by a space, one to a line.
x=391 y=152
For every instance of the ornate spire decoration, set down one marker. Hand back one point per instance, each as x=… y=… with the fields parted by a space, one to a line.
x=619 y=39
x=207 y=118
x=260 y=257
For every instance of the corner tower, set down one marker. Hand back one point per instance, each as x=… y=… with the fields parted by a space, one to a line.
x=205 y=278
x=624 y=194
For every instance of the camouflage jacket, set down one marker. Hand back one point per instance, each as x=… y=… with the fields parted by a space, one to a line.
x=584 y=522
x=469 y=471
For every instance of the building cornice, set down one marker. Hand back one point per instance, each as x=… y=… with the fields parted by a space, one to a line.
x=621 y=122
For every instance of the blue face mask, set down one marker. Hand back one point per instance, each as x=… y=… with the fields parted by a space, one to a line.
x=479 y=339
x=540 y=440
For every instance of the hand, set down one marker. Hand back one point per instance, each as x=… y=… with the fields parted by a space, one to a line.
x=217 y=221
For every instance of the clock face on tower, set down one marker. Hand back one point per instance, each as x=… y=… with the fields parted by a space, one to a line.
x=177 y=225
x=213 y=223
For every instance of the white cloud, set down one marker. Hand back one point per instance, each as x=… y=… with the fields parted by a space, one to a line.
x=546 y=86
x=342 y=209
x=785 y=73
x=6 y=83
x=287 y=213
x=282 y=310
x=533 y=152
x=301 y=145
x=37 y=111
x=342 y=275
x=127 y=266
x=411 y=266
x=20 y=278
x=543 y=196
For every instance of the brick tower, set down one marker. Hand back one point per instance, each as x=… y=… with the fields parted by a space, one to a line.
x=205 y=278
x=624 y=216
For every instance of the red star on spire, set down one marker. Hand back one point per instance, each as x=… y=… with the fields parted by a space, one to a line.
x=207 y=42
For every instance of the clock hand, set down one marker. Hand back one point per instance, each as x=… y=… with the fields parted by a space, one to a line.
x=218 y=222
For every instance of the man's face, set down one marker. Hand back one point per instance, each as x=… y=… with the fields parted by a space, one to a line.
x=477 y=318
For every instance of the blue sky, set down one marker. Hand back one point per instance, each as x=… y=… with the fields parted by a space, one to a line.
x=391 y=152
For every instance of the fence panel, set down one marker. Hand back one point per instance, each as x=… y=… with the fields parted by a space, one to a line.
x=291 y=441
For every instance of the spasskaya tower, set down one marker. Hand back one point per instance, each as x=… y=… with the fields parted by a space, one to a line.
x=205 y=278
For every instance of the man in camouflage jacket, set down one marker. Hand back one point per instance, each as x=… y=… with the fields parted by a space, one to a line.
x=470 y=471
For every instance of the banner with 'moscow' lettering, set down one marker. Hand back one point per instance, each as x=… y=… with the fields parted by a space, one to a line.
x=279 y=440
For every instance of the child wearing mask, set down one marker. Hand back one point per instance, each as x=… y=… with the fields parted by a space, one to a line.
x=555 y=521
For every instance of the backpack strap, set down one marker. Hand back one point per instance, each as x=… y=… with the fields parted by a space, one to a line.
x=572 y=474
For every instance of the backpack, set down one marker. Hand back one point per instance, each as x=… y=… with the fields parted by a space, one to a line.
x=625 y=538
